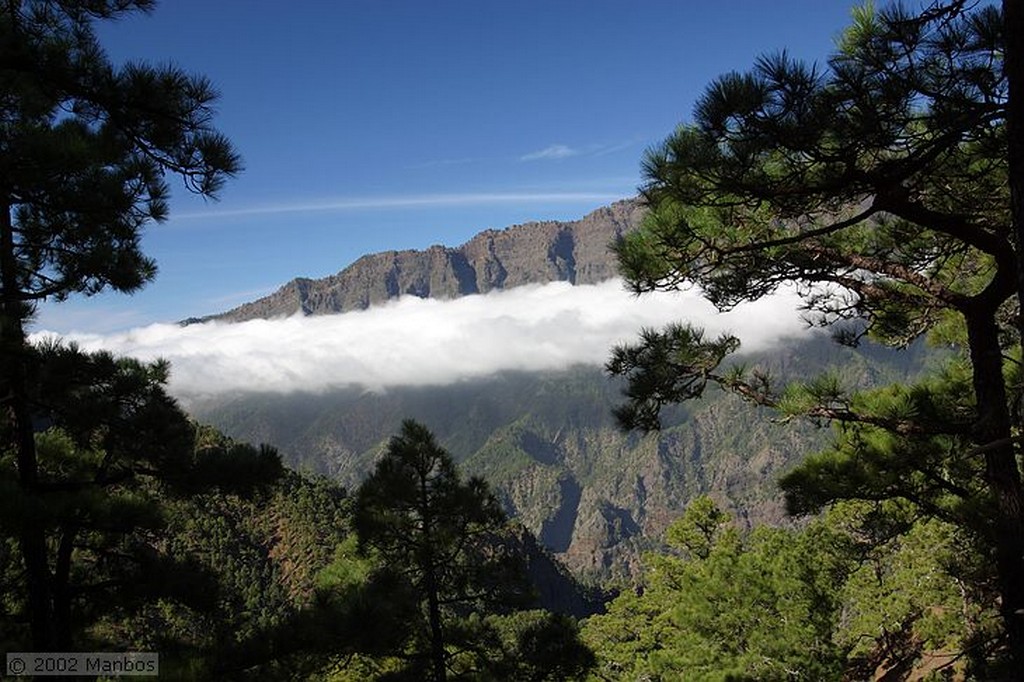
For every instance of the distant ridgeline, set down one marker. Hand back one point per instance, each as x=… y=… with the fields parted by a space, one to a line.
x=533 y=253
x=547 y=441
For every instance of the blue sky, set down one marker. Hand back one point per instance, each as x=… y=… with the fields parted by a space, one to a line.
x=368 y=125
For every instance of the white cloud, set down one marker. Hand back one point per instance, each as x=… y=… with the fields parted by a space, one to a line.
x=555 y=151
x=404 y=201
x=606 y=149
x=430 y=342
x=561 y=151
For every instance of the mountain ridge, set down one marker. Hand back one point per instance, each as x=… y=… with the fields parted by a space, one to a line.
x=529 y=253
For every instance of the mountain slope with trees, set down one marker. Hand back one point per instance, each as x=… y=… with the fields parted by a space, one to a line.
x=550 y=446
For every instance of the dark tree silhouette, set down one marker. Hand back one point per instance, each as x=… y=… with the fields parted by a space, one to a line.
x=439 y=532
x=84 y=150
x=113 y=446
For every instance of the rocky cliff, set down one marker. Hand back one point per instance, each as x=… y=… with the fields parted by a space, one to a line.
x=536 y=252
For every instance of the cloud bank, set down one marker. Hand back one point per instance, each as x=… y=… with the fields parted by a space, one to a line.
x=415 y=341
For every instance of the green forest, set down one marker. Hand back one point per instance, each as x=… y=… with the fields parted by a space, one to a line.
x=886 y=186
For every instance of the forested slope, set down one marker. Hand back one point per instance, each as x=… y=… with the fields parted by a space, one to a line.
x=549 y=444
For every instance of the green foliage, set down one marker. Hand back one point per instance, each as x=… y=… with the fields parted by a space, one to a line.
x=263 y=556
x=793 y=175
x=696 y=533
x=665 y=367
x=535 y=646
x=440 y=534
x=417 y=513
x=759 y=608
x=913 y=442
x=916 y=593
x=866 y=588
x=122 y=487
x=903 y=590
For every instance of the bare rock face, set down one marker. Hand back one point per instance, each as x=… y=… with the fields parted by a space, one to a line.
x=539 y=252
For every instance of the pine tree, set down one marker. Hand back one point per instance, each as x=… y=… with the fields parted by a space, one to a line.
x=721 y=606
x=444 y=545
x=114 y=451
x=440 y=533
x=879 y=187
x=84 y=150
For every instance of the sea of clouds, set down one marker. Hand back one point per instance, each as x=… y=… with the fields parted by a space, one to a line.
x=413 y=341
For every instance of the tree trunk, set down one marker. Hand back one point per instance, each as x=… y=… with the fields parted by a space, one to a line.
x=1002 y=476
x=430 y=586
x=1001 y=465
x=437 y=655
x=17 y=415
x=62 y=590
x=1013 y=71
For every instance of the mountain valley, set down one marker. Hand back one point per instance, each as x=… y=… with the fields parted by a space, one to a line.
x=594 y=496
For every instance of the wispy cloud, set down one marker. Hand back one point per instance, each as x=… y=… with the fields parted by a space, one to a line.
x=562 y=151
x=409 y=201
x=606 y=149
x=429 y=342
x=555 y=151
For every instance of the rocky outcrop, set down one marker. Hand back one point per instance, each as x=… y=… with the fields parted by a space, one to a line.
x=539 y=252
